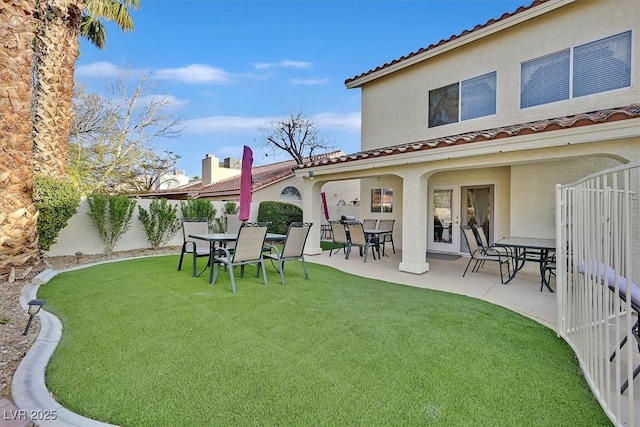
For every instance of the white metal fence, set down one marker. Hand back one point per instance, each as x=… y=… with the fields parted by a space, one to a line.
x=597 y=220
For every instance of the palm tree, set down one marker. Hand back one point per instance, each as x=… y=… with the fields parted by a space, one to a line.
x=18 y=238
x=61 y=22
x=57 y=28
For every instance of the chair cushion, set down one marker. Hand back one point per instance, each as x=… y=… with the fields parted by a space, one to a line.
x=610 y=279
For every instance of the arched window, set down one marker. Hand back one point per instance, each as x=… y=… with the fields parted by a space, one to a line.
x=290 y=193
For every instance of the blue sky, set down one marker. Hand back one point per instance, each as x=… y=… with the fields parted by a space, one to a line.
x=231 y=67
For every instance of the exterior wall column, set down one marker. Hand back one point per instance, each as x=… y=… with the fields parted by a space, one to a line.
x=414 y=222
x=312 y=212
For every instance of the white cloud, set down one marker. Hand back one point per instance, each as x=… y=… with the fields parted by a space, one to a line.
x=98 y=69
x=338 y=121
x=224 y=124
x=310 y=81
x=194 y=73
x=168 y=100
x=286 y=63
x=349 y=122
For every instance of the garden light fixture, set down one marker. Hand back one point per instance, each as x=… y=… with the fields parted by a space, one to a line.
x=34 y=307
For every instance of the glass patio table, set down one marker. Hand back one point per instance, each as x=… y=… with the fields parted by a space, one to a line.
x=528 y=249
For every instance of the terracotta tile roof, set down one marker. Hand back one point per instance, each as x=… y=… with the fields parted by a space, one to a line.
x=539 y=126
x=261 y=176
x=450 y=39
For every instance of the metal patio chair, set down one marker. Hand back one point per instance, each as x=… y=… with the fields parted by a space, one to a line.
x=358 y=238
x=293 y=248
x=248 y=250
x=369 y=224
x=478 y=255
x=196 y=247
x=386 y=224
x=338 y=236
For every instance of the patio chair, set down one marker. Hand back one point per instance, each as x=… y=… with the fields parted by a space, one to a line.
x=338 y=236
x=489 y=247
x=369 y=224
x=386 y=224
x=293 y=248
x=196 y=247
x=358 y=238
x=547 y=270
x=248 y=250
x=478 y=255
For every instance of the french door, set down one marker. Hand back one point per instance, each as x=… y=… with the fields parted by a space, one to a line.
x=478 y=200
x=451 y=206
x=444 y=219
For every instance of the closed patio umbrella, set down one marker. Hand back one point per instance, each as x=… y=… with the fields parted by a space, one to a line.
x=245 y=184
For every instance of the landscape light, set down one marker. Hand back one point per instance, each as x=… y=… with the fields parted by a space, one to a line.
x=34 y=307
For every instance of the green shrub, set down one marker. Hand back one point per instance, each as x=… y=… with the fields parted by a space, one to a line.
x=57 y=201
x=280 y=215
x=198 y=210
x=160 y=222
x=220 y=225
x=111 y=217
x=230 y=208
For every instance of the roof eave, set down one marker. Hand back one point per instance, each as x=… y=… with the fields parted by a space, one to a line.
x=473 y=35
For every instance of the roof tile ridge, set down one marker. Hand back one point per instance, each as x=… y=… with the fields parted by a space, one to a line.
x=465 y=32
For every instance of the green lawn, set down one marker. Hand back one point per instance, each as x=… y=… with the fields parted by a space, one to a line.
x=146 y=345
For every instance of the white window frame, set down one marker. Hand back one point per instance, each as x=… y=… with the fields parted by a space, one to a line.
x=465 y=95
x=619 y=44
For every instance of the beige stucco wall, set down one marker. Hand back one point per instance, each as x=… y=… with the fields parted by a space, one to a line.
x=388 y=182
x=346 y=190
x=533 y=192
x=395 y=108
x=80 y=235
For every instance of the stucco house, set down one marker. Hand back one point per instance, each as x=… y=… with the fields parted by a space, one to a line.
x=220 y=182
x=480 y=127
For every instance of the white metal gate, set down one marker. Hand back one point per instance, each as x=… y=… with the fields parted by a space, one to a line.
x=598 y=235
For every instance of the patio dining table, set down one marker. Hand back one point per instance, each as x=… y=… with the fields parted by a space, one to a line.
x=224 y=238
x=528 y=249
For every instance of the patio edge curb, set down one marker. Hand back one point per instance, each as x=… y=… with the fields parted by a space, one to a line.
x=28 y=387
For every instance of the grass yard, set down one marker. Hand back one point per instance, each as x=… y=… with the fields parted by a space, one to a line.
x=146 y=345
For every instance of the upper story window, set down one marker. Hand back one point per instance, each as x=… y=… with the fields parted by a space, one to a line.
x=465 y=100
x=597 y=67
x=602 y=65
x=545 y=80
x=290 y=193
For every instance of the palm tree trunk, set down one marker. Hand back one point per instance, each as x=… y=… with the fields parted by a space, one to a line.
x=18 y=237
x=56 y=50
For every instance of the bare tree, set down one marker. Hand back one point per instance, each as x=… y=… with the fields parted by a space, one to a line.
x=114 y=139
x=296 y=135
x=153 y=170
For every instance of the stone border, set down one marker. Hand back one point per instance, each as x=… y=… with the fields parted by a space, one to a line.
x=28 y=388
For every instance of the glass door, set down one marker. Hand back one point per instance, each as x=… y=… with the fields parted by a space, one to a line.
x=478 y=202
x=444 y=220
